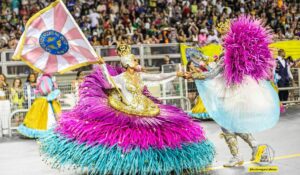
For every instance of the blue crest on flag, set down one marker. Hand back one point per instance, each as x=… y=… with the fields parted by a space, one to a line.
x=194 y=55
x=54 y=42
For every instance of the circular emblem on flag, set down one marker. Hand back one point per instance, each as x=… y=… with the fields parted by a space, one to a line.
x=192 y=53
x=54 y=42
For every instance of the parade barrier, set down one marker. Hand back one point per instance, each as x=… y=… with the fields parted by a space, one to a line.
x=10 y=121
x=150 y=56
x=15 y=113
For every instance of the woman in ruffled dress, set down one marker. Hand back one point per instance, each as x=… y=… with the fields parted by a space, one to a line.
x=117 y=127
x=45 y=109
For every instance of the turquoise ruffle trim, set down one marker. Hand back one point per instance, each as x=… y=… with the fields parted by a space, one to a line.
x=199 y=115
x=191 y=158
x=31 y=133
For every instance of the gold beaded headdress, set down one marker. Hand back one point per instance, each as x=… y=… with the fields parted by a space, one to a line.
x=223 y=27
x=124 y=51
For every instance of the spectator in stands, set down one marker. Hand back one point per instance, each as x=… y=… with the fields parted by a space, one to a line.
x=4 y=102
x=17 y=94
x=291 y=63
x=167 y=60
x=148 y=40
x=137 y=37
x=202 y=37
x=192 y=91
x=289 y=34
x=167 y=66
x=165 y=37
x=297 y=64
x=193 y=32
x=173 y=35
x=15 y=5
x=166 y=63
x=182 y=38
x=29 y=89
x=284 y=74
x=3 y=87
x=17 y=98
x=94 y=18
x=13 y=42
x=95 y=40
x=213 y=37
x=4 y=37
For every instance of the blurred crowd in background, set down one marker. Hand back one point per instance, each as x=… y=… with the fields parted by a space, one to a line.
x=107 y=22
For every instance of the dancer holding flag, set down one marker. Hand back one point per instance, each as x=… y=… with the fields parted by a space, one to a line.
x=117 y=127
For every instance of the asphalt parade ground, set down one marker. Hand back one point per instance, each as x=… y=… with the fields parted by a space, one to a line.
x=19 y=156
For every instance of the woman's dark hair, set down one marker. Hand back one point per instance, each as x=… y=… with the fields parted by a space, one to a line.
x=188 y=65
x=3 y=77
x=6 y=86
x=290 y=59
x=16 y=80
x=28 y=77
x=78 y=74
x=94 y=36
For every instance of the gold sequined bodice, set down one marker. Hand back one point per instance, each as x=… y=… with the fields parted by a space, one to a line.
x=139 y=104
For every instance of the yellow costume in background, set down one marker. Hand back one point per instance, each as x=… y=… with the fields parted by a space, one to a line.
x=43 y=112
x=199 y=106
x=37 y=116
x=199 y=111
